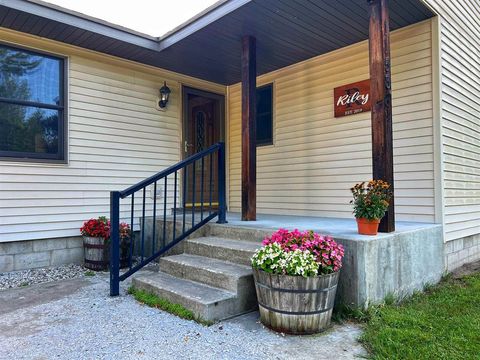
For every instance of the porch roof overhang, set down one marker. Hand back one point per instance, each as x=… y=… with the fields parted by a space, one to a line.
x=209 y=45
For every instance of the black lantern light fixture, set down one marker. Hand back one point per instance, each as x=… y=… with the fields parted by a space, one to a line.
x=164 y=95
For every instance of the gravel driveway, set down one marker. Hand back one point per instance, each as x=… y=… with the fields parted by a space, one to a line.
x=76 y=319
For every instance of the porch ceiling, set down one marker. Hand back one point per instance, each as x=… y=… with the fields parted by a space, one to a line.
x=208 y=47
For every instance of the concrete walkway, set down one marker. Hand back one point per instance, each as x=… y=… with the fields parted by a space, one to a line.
x=76 y=319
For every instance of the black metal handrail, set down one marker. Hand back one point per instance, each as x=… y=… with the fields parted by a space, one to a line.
x=201 y=158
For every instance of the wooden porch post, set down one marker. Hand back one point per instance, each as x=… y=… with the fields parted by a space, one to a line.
x=381 y=93
x=249 y=146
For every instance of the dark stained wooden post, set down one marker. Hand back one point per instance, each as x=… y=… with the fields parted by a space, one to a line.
x=249 y=138
x=381 y=93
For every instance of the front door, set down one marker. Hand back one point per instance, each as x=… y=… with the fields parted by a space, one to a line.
x=203 y=126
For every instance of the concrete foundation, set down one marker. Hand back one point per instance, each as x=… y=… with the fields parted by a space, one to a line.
x=21 y=255
x=396 y=264
x=462 y=251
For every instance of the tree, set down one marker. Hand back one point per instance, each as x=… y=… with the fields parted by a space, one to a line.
x=22 y=128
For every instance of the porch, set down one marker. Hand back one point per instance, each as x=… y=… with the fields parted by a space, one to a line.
x=396 y=263
x=361 y=148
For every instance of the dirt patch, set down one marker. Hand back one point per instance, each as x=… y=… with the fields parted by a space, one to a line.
x=467 y=269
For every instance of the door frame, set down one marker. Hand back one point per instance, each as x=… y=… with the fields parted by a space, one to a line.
x=187 y=90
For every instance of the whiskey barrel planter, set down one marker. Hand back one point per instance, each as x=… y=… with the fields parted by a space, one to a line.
x=294 y=304
x=96 y=253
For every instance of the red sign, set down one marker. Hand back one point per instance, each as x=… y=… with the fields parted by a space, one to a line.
x=352 y=98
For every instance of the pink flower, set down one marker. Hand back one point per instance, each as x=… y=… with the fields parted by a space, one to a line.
x=327 y=252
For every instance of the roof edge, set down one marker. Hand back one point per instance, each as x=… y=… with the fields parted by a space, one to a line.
x=70 y=17
x=199 y=21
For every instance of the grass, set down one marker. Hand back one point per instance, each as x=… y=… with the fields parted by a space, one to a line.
x=441 y=323
x=89 y=273
x=155 y=301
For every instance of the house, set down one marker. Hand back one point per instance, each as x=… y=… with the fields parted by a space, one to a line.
x=81 y=116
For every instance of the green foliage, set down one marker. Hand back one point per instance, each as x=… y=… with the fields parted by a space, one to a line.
x=155 y=301
x=371 y=200
x=89 y=273
x=443 y=323
x=343 y=313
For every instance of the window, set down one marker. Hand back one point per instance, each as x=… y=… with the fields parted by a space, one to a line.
x=32 y=105
x=265 y=115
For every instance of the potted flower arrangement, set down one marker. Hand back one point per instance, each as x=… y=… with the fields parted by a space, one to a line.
x=96 y=233
x=370 y=202
x=96 y=242
x=296 y=276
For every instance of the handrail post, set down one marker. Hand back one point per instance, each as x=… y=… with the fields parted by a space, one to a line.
x=115 y=243
x=222 y=206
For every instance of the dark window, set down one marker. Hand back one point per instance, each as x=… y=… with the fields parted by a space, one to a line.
x=32 y=116
x=265 y=115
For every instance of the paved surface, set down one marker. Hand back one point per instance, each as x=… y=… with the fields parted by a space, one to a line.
x=76 y=319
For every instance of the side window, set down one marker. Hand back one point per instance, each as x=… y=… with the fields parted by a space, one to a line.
x=32 y=105
x=264 y=118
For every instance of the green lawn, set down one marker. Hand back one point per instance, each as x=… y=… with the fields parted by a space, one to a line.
x=442 y=323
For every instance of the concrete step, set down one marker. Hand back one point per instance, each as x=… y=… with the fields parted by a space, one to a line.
x=235 y=251
x=208 y=303
x=234 y=232
x=219 y=273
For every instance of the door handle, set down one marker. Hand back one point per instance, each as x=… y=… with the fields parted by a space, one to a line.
x=187 y=145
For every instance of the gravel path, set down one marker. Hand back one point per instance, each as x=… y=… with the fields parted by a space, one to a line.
x=37 y=276
x=76 y=319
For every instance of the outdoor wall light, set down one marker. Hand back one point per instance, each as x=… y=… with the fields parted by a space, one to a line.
x=164 y=95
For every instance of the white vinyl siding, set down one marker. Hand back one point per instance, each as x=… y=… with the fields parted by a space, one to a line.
x=316 y=158
x=116 y=138
x=460 y=67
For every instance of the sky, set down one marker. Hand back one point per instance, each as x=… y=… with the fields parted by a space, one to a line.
x=152 y=17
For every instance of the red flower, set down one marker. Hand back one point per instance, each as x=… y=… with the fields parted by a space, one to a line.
x=96 y=228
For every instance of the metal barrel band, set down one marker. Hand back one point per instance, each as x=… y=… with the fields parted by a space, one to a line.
x=297 y=291
x=294 y=312
x=95 y=246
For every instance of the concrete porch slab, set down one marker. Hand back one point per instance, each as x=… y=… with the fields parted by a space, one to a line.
x=337 y=227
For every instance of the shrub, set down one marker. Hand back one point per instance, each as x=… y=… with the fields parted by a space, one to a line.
x=303 y=253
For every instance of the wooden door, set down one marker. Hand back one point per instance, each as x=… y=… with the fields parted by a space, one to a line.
x=202 y=130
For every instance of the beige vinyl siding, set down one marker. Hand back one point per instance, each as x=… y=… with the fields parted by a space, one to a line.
x=116 y=138
x=316 y=158
x=460 y=83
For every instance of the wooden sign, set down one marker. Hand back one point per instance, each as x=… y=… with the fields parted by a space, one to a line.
x=352 y=98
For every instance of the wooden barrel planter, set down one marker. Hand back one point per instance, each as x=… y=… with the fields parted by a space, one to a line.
x=294 y=304
x=96 y=253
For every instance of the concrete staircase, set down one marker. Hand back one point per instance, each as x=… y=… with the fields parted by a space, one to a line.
x=212 y=277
